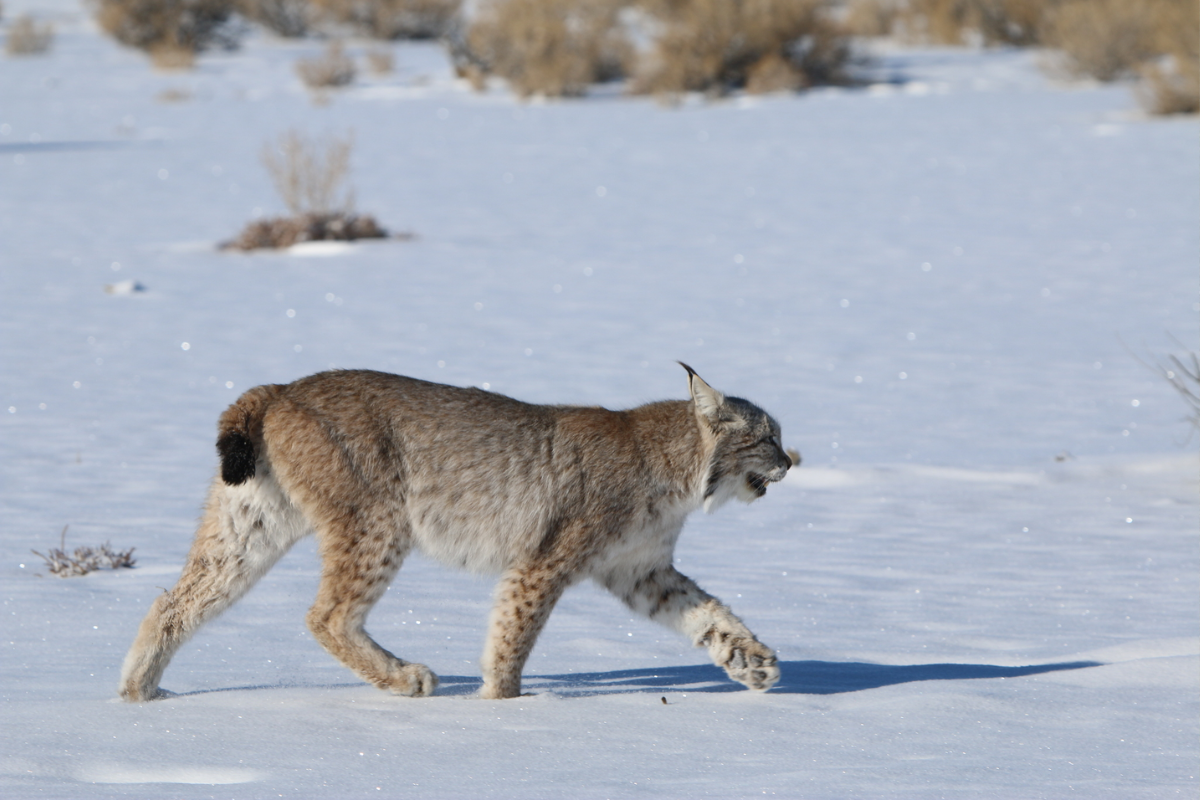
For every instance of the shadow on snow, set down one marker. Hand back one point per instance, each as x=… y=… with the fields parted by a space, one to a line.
x=799 y=677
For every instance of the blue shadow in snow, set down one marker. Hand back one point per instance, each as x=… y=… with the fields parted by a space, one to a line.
x=798 y=677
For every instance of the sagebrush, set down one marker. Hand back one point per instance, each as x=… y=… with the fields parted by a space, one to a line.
x=288 y=18
x=27 y=37
x=549 y=47
x=312 y=178
x=393 y=19
x=560 y=47
x=188 y=26
x=718 y=45
x=332 y=69
x=84 y=559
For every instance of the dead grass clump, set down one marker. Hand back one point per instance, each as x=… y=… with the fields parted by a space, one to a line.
x=380 y=60
x=27 y=38
x=1104 y=39
x=291 y=19
x=719 y=45
x=331 y=69
x=311 y=179
x=84 y=559
x=280 y=232
x=394 y=19
x=1158 y=40
x=169 y=26
x=1171 y=82
x=554 y=48
x=994 y=22
x=309 y=176
x=1171 y=86
x=873 y=17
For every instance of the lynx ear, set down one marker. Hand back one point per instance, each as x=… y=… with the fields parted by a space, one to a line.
x=707 y=399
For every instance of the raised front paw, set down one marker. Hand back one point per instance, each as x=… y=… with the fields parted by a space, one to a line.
x=749 y=662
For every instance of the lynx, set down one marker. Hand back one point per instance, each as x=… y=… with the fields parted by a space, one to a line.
x=546 y=496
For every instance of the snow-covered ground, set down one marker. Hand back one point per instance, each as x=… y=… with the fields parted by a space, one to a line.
x=982 y=582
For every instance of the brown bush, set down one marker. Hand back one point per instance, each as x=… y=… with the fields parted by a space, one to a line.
x=380 y=60
x=280 y=232
x=718 y=45
x=187 y=25
x=331 y=69
x=549 y=47
x=1171 y=83
x=1104 y=39
x=1015 y=22
x=27 y=38
x=394 y=19
x=288 y=18
x=309 y=176
x=873 y=17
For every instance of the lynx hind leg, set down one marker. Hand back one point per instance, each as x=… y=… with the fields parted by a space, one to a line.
x=667 y=596
x=357 y=570
x=243 y=532
x=524 y=598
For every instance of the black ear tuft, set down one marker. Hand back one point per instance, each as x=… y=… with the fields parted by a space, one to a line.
x=691 y=372
x=237 y=458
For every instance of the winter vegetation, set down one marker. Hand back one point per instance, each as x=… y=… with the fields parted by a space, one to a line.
x=561 y=48
x=27 y=37
x=311 y=177
x=964 y=281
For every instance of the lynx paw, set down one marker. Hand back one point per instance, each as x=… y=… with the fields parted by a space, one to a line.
x=412 y=680
x=135 y=694
x=749 y=662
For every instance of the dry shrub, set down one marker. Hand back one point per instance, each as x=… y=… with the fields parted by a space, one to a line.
x=310 y=177
x=331 y=69
x=873 y=17
x=1104 y=39
x=1156 y=39
x=172 y=57
x=173 y=95
x=288 y=18
x=1014 y=22
x=84 y=559
x=169 y=25
x=548 y=47
x=282 y=232
x=394 y=19
x=27 y=38
x=380 y=60
x=718 y=45
x=1171 y=83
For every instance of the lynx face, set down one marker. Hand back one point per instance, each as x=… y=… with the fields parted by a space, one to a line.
x=749 y=453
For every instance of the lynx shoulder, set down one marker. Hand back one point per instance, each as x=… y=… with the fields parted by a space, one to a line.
x=377 y=465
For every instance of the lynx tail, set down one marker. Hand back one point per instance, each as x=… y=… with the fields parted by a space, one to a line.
x=239 y=434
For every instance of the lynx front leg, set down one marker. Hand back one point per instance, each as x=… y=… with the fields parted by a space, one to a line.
x=357 y=570
x=673 y=599
x=525 y=597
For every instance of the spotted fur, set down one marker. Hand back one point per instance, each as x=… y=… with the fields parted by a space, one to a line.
x=545 y=496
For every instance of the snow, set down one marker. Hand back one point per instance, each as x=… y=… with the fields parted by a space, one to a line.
x=982 y=582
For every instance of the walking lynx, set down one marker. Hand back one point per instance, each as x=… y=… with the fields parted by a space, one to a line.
x=376 y=465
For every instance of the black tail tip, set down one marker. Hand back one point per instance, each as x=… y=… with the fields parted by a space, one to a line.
x=237 y=458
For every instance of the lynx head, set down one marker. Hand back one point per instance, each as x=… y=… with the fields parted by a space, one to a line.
x=748 y=453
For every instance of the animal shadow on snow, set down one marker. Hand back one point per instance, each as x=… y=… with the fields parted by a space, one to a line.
x=799 y=677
